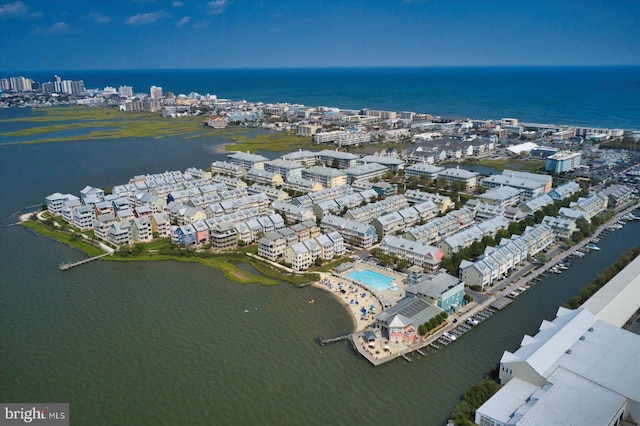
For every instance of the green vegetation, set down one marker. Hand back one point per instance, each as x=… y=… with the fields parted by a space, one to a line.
x=602 y=278
x=162 y=249
x=478 y=394
x=272 y=141
x=104 y=123
x=432 y=324
x=70 y=238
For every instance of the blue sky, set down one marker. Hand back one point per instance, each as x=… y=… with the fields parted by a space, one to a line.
x=142 y=34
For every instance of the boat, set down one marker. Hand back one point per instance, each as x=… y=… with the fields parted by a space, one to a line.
x=311 y=301
x=592 y=246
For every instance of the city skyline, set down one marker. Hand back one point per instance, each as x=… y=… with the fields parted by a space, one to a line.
x=162 y=34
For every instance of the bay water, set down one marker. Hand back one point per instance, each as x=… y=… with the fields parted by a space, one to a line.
x=173 y=343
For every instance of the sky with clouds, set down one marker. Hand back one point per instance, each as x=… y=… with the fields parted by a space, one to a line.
x=40 y=35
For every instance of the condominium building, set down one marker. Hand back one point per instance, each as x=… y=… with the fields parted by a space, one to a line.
x=326 y=176
x=563 y=161
x=354 y=233
x=417 y=253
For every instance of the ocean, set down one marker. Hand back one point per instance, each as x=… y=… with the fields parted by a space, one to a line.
x=166 y=343
x=585 y=96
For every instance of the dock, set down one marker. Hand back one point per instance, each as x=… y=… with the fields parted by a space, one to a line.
x=321 y=341
x=69 y=265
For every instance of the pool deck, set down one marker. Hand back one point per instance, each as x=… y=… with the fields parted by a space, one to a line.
x=386 y=297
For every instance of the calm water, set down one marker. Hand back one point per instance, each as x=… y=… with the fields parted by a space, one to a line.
x=169 y=343
x=590 y=96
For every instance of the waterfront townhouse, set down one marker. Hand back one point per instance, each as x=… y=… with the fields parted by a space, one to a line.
x=314 y=248
x=273 y=194
x=293 y=213
x=247 y=160
x=56 y=201
x=271 y=246
x=338 y=243
x=123 y=191
x=301 y=231
x=228 y=168
x=440 y=289
x=298 y=256
x=618 y=195
x=203 y=201
x=503 y=196
x=223 y=236
x=161 y=225
x=421 y=170
x=263 y=176
x=141 y=229
x=120 y=234
x=440 y=227
x=289 y=236
x=184 y=235
x=366 y=172
x=575 y=370
x=202 y=232
x=90 y=195
x=336 y=159
x=326 y=246
x=566 y=190
x=236 y=217
x=302 y=157
x=354 y=233
x=562 y=227
x=102 y=224
x=302 y=185
x=392 y=163
x=443 y=202
x=529 y=188
x=416 y=253
x=328 y=177
x=285 y=168
x=573 y=214
x=478 y=274
x=592 y=205
x=83 y=217
x=244 y=232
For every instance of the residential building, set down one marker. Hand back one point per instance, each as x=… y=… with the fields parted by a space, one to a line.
x=529 y=188
x=56 y=201
x=285 y=168
x=354 y=233
x=566 y=190
x=392 y=163
x=502 y=196
x=422 y=169
x=416 y=253
x=228 y=168
x=302 y=157
x=562 y=227
x=328 y=177
x=400 y=322
x=83 y=217
x=563 y=161
x=120 y=234
x=141 y=229
x=337 y=159
x=366 y=172
x=298 y=256
x=247 y=160
x=272 y=246
x=451 y=175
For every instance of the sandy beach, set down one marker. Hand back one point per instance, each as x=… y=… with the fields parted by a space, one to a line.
x=354 y=297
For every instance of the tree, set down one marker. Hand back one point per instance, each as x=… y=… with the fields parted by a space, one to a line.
x=541 y=258
x=402 y=264
x=318 y=261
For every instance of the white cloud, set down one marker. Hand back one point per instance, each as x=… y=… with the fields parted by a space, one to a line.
x=57 y=28
x=183 y=21
x=177 y=3
x=216 y=7
x=100 y=18
x=17 y=8
x=146 y=18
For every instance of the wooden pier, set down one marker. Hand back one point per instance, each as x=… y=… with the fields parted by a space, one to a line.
x=69 y=265
x=321 y=341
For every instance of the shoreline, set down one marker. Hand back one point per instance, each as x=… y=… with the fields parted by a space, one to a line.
x=353 y=293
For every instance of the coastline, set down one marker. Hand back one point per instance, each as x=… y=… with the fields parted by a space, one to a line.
x=353 y=293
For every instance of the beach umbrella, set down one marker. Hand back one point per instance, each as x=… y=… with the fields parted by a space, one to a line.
x=363 y=310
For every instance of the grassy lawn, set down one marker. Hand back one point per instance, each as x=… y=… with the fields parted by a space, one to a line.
x=329 y=266
x=161 y=249
x=64 y=237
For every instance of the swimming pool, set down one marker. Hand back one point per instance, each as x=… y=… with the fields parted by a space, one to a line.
x=373 y=279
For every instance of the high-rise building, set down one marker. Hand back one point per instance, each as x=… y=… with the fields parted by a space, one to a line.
x=5 y=85
x=126 y=91
x=156 y=92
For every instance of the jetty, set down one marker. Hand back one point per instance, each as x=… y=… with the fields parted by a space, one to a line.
x=68 y=265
